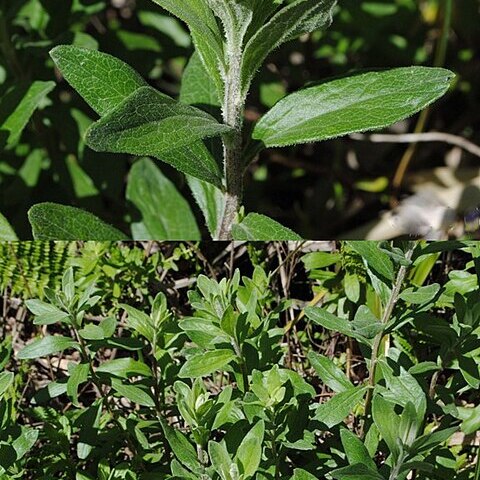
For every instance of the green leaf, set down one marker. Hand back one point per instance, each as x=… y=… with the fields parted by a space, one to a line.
x=428 y=441
x=355 y=450
x=420 y=295
x=7 y=233
x=92 y=332
x=366 y=323
x=362 y=102
x=124 y=368
x=329 y=373
x=249 y=453
x=258 y=227
x=339 y=406
x=166 y=215
x=181 y=447
x=220 y=459
x=203 y=364
x=377 y=260
x=210 y=200
x=45 y=314
x=51 y=221
x=198 y=87
x=387 y=422
x=46 y=346
x=205 y=32
x=25 y=442
x=18 y=105
x=102 y=80
x=293 y=20
x=78 y=375
x=152 y=124
x=300 y=474
x=6 y=379
x=139 y=322
x=356 y=472
x=133 y=393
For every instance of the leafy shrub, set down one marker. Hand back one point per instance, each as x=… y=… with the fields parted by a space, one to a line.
x=371 y=380
x=232 y=41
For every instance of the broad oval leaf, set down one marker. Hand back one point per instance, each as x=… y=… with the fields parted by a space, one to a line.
x=206 y=363
x=166 y=215
x=51 y=221
x=46 y=346
x=150 y=123
x=358 y=103
x=102 y=80
x=259 y=227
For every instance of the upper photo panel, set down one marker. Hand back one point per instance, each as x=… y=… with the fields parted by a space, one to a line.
x=239 y=119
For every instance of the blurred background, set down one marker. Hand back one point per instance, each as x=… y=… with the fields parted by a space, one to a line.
x=351 y=187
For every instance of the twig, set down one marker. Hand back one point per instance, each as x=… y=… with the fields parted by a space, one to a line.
x=421 y=137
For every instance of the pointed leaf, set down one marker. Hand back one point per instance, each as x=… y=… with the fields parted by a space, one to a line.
x=249 y=453
x=17 y=107
x=329 y=373
x=355 y=450
x=51 y=221
x=102 y=80
x=293 y=20
x=150 y=123
x=206 y=363
x=166 y=215
x=258 y=227
x=78 y=375
x=46 y=346
x=205 y=33
x=334 y=411
x=362 y=102
x=6 y=379
x=133 y=393
x=220 y=459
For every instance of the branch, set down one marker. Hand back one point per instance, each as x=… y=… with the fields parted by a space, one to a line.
x=420 y=137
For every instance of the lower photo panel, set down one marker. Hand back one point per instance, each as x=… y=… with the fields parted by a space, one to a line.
x=349 y=360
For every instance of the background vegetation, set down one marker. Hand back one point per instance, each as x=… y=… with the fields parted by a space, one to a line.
x=337 y=188
x=228 y=361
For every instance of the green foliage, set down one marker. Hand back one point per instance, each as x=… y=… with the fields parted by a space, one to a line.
x=217 y=391
x=205 y=135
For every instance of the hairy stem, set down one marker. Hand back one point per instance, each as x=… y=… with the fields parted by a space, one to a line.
x=378 y=339
x=232 y=110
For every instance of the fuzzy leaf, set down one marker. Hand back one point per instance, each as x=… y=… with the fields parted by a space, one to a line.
x=204 y=364
x=166 y=215
x=339 y=406
x=133 y=393
x=78 y=375
x=249 y=453
x=355 y=450
x=329 y=373
x=46 y=346
x=258 y=227
x=293 y=20
x=358 y=103
x=51 y=221
x=6 y=379
x=205 y=32
x=150 y=123
x=102 y=80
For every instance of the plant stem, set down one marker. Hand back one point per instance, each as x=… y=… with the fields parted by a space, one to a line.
x=232 y=112
x=378 y=339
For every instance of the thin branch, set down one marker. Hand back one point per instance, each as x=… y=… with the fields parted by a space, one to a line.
x=421 y=137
